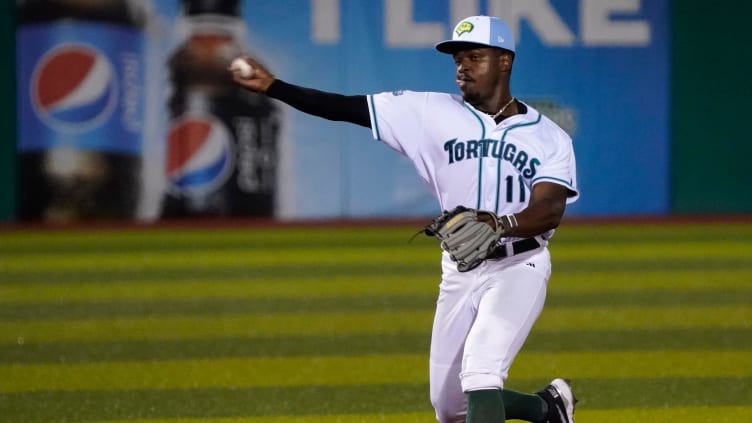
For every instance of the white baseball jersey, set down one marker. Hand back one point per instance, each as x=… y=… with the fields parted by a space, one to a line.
x=466 y=158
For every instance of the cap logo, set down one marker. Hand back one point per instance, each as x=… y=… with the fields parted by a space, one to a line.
x=463 y=28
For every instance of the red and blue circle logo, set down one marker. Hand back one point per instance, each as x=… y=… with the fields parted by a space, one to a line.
x=74 y=88
x=200 y=155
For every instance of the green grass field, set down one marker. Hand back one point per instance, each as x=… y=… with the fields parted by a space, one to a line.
x=286 y=324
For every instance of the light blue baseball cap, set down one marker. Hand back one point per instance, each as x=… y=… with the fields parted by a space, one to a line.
x=484 y=31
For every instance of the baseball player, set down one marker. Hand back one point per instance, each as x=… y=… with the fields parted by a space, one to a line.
x=503 y=173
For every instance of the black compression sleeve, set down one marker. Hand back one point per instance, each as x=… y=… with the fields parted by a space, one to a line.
x=353 y=109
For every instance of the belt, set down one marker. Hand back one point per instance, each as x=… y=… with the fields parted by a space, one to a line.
x=517 y=247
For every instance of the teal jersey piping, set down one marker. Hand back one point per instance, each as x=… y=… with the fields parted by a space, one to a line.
x=480 y=160
x=564 y=182
x=373 y=113
x=498 y=160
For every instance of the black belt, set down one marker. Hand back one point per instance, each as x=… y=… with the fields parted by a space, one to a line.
x=518 y=247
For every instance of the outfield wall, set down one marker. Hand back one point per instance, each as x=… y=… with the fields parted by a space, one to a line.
x=711 y=91
x=627 y=91
x=7 y=114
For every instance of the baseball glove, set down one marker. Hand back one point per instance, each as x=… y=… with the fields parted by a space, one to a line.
x=469 y=235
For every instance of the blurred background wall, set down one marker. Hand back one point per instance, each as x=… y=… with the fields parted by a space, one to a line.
x=7 y=113
x=710 y=139
x=651 y=91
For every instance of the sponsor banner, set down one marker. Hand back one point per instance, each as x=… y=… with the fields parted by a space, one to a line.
x=599 y=69
x=84 y=90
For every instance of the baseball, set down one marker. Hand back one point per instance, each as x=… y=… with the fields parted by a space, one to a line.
x=246 y=70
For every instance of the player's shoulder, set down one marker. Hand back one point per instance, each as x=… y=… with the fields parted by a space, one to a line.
x=432 y=101
x=534 y=120
x=433 y=95
x=439 y=99
x=428 y=95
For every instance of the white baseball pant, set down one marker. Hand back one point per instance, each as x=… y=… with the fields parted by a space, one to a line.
x=482 y=320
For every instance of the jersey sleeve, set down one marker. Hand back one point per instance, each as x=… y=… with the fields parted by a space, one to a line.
x=559 y=165
x=397 y=119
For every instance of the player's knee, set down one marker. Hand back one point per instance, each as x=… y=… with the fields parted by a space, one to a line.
x=449 y=408
x=447 y=415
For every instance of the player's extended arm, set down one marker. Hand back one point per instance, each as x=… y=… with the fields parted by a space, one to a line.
x=544 y=211
x=338 y=107
x=353 y=109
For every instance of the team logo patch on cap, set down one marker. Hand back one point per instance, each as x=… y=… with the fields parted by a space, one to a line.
x=463 y=28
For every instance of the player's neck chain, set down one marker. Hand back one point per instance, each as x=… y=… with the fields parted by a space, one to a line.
x=494 y=116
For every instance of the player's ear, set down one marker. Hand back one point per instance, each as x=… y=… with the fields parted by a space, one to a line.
x=505 y=61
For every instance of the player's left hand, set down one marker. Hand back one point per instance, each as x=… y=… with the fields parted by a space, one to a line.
x=468 y=235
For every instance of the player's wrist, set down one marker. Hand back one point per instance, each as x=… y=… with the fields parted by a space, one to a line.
x=278 y=89
x=508 y=224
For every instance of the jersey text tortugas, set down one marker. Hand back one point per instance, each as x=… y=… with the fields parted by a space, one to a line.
x=473 y=149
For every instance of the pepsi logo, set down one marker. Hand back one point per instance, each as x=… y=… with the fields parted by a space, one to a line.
x=200 y=155
x=74 y=88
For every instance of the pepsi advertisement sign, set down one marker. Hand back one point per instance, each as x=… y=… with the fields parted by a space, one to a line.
x=200 y=154
x=73 y=88
x=80 y=93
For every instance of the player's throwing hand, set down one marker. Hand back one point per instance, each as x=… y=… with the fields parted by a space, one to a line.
x=260 y=78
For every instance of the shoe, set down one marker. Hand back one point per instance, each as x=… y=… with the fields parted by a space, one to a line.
x=561 y=401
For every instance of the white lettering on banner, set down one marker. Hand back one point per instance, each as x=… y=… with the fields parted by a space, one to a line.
x=325 y=22
x=460 y=9
x=542 y=17
x=132 y=92
x=598 y=30
x=401 y=31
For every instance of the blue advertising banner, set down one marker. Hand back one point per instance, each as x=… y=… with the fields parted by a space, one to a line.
x=598 y=68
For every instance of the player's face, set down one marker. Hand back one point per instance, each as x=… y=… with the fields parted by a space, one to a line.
x=478 y=73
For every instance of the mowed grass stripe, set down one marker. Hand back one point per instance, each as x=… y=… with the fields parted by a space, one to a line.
x=245 y=325
x=216 y=306
x=312 y=287
x=655 y=233
x=424 y=417
x=607 y=397
x=663 y=414
x=648 y=281
x=421 y=270
x=294 y=251
x=300 y=251
x=271 y=274
x=364 y=344
x=159 y=238
x=720 y=249
x=355 y=370
x=148 y=405
x=293 y=255
x=296 y=255
x=622 y=415
x=187 y=241
x=585 y=283
x=197 y=327
x=344 y=304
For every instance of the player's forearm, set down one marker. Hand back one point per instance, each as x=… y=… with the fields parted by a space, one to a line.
x=338 y=107
x=543 y=212
x=538 y=218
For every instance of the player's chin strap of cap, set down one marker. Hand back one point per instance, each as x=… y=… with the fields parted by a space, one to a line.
x=509 y=249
